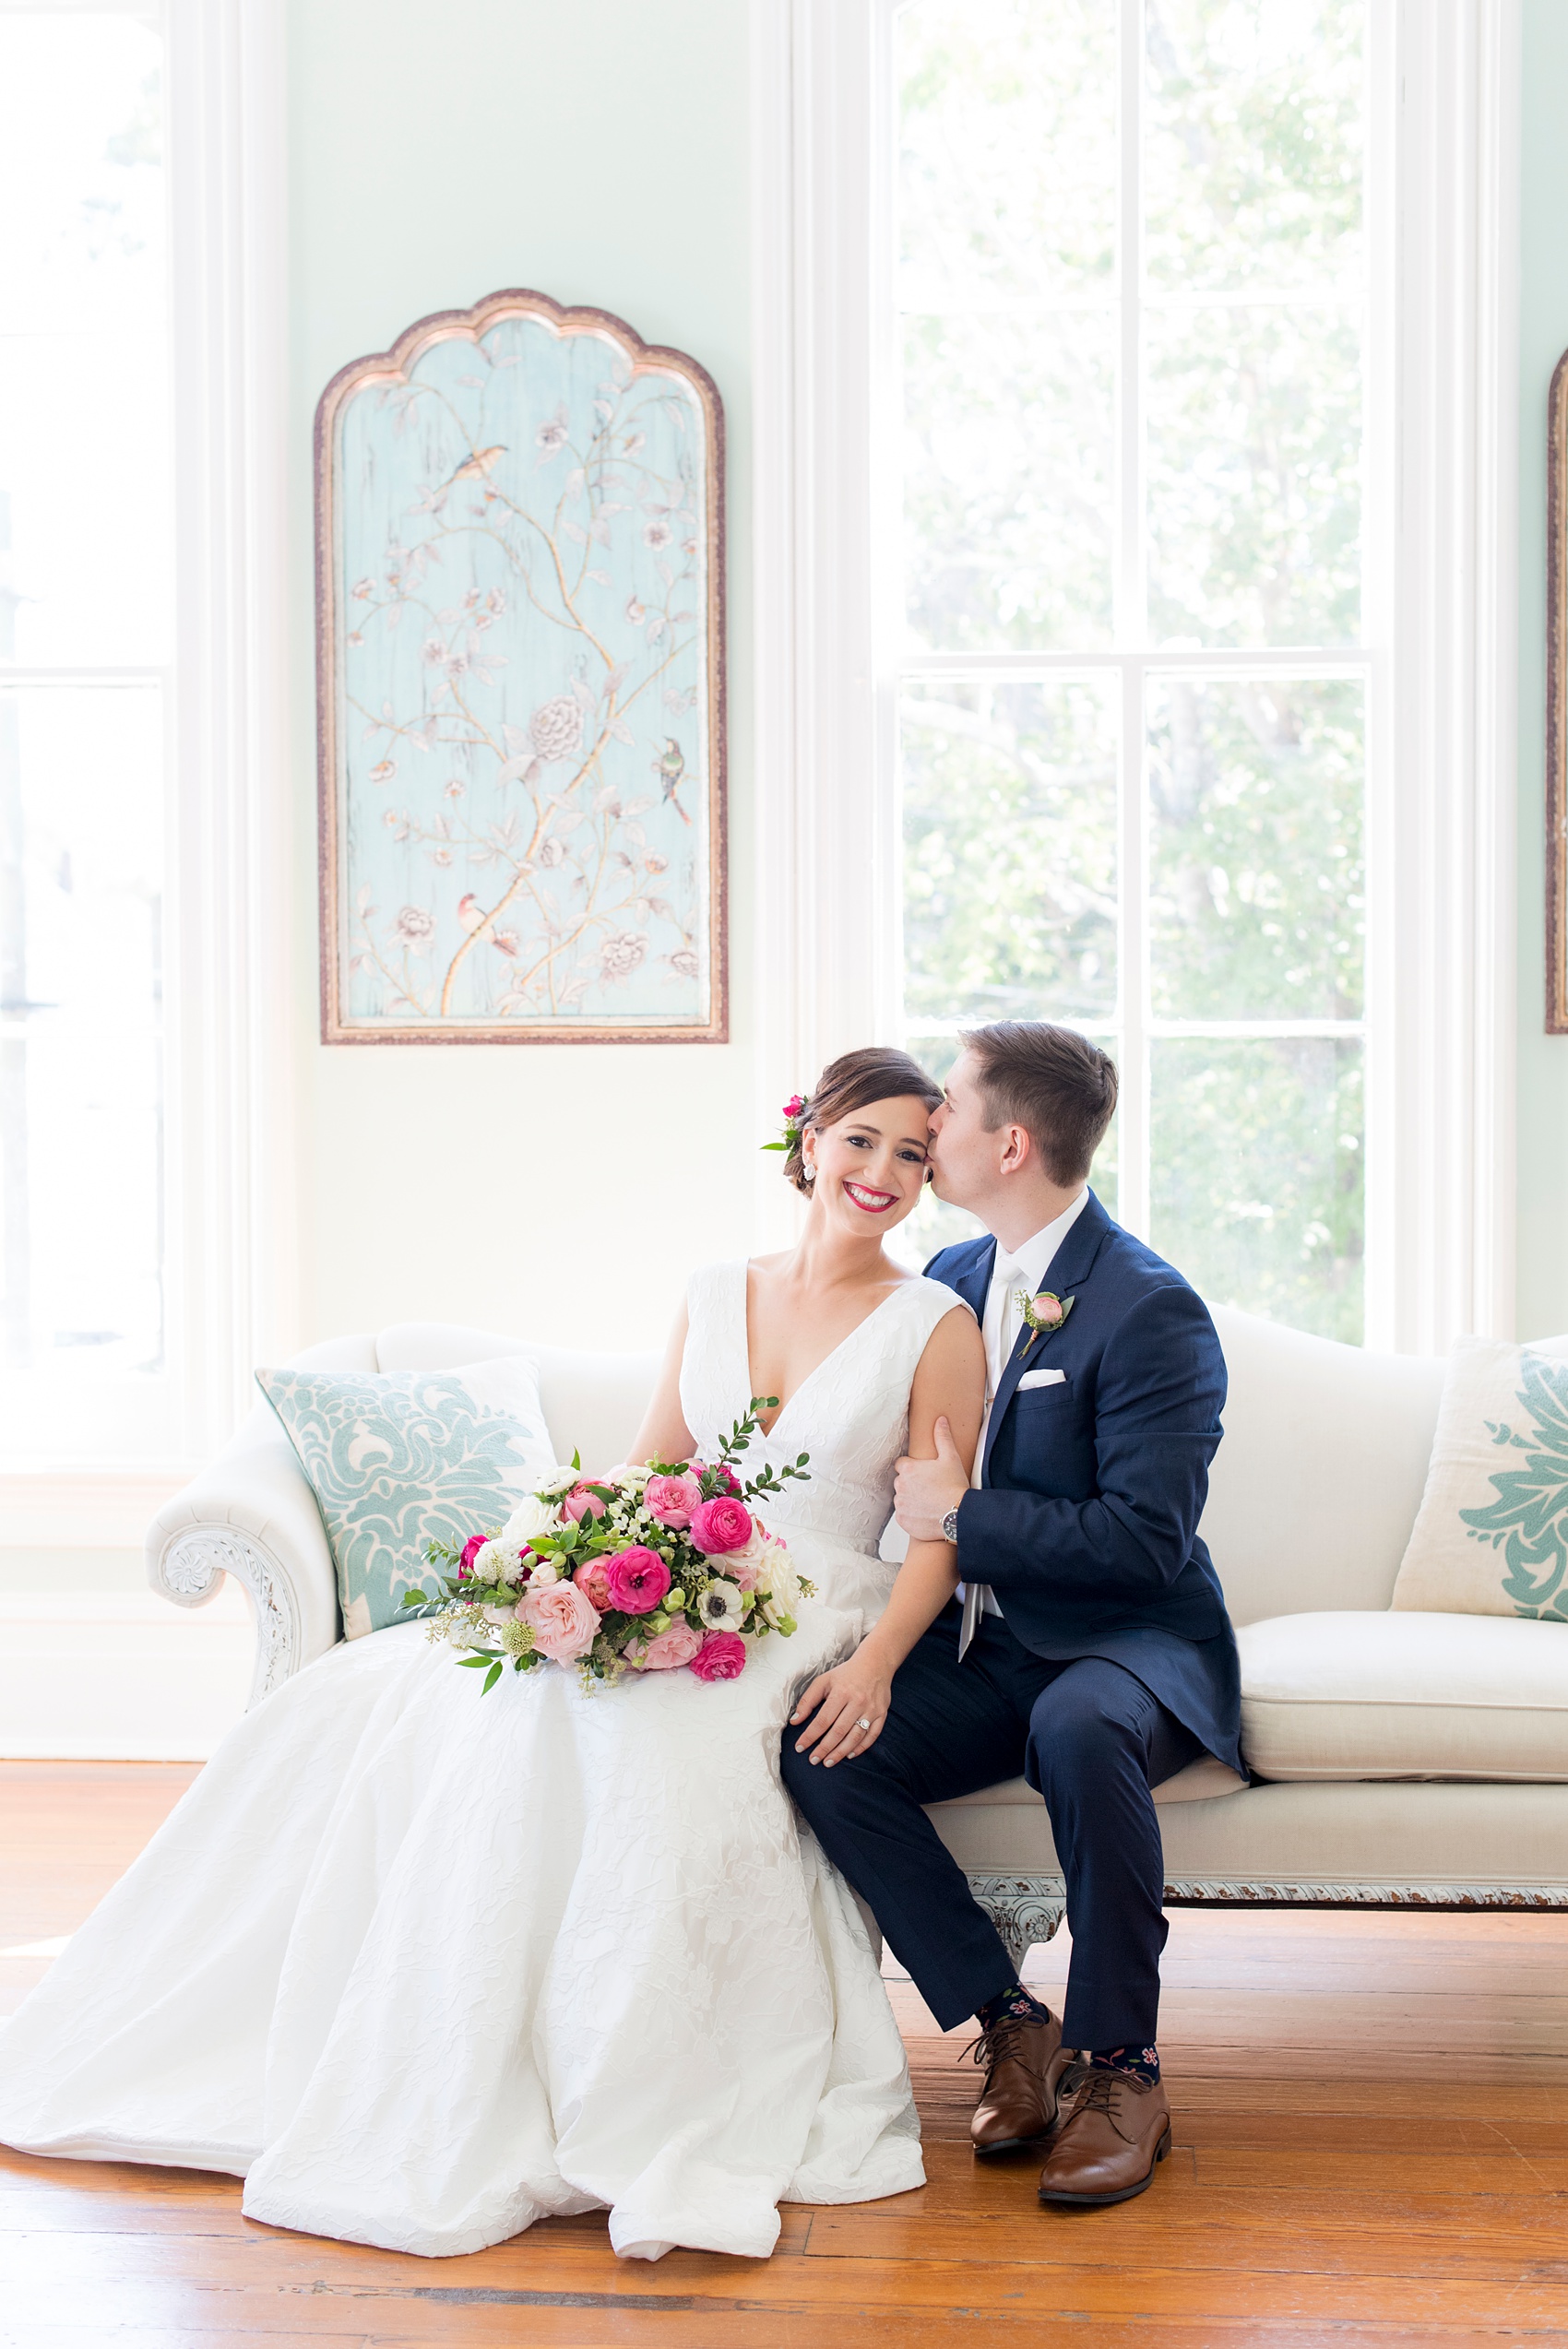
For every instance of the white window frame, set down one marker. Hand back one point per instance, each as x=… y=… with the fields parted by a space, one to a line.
x=1440 y=656
x=230 y=1261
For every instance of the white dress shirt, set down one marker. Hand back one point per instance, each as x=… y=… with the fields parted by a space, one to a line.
x=1025 y=1268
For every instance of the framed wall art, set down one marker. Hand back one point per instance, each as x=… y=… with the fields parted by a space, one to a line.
x=520 y=668
x=1557 y=704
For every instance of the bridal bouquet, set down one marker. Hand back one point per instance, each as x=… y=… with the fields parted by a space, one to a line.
x=646 y=1570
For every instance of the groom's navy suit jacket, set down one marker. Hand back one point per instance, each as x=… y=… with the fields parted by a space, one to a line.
x=1085 y=1523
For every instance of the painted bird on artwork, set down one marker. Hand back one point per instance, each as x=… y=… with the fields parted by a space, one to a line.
x=671 y=764
x=479 y=465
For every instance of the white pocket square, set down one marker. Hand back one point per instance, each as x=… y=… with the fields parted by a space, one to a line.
x=1040 y=1378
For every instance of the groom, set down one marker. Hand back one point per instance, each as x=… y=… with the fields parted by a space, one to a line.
x=1088 y=1649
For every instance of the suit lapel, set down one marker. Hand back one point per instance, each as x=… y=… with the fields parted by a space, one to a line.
x=1066 y=1275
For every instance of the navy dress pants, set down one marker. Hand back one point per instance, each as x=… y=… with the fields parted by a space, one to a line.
x=1090 y=1738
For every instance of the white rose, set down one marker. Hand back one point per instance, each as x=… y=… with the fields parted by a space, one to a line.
x=722 y=1606
x=531 y=1516
x=545 y=1569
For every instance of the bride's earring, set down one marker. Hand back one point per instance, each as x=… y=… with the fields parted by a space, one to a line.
x=809 y=1173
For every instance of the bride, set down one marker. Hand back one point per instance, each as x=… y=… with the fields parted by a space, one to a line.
x=422 y=1968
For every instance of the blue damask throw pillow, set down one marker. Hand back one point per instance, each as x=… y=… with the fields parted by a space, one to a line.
x=396 y=1459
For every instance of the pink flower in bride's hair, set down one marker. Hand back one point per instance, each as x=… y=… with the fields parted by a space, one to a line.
x=723 y=1657
x=671 y=1501
x=679 y=1645
x=564 y=1621
x=580 y=1503
x=591 y=1577
x=471 y=1549
x=794 y=1107
x=637 y=1580
x=719 y=1525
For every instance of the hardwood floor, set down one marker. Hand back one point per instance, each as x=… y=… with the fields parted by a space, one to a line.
x=1371 y=2148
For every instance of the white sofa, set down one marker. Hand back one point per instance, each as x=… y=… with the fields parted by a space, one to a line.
x=1410 y=1760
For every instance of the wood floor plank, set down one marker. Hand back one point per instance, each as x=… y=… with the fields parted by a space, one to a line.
x=1370 y=2121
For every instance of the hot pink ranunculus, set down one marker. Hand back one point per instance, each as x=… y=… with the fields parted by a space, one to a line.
x=723 y=1657
x=671 y=1501
x=580 y=1503
x=591 y=1577
x=564 y=1621
x=721 y=1524
x=637 y=1580
x=677 y=1645
x=471 y=1549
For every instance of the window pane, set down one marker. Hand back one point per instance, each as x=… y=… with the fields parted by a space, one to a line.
x=1254 y=124
x=1256 y=1179
x=1254 y=476
x=84 y=428
x=1010 y=853
x=1007 y=151
x=1007 y=480
x=1007 y=197
x=81 y=787
x=1256 y=798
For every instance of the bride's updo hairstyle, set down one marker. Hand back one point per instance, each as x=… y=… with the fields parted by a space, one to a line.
x=853 y=1082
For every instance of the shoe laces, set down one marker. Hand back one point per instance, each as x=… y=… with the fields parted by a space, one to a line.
x=1004 y=2038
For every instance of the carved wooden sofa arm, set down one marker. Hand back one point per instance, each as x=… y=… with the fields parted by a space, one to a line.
x=253 y=1515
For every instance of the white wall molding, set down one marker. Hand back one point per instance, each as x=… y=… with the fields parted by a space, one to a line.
x=826 y=872
x=1448 y=975
x=232 y=1178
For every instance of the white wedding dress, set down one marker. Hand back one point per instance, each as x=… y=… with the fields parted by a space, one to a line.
x=424 y=1965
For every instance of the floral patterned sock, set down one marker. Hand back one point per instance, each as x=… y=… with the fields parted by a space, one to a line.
x=1013 y=2001
x=1142 y=2062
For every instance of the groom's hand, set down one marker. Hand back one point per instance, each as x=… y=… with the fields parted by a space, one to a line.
x=924 y=1490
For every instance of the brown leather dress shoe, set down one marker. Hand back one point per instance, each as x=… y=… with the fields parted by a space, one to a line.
x=1024 y=2061
x=1112 y=2136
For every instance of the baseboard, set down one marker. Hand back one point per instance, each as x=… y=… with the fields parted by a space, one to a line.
x=112 y=1676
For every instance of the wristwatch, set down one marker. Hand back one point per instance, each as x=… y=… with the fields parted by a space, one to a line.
x=950 y=1525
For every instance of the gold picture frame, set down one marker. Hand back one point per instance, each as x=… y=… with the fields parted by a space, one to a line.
x=520 y=667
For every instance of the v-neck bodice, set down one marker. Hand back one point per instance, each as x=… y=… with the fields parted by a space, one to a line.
x=851 y=1414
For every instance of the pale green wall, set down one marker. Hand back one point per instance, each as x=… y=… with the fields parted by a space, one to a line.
x=596 y=151
x=1543 y=308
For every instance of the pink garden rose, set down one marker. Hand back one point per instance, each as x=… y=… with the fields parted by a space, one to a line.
x=672 y=1501
x=723 y=1657
x=679 y=1645
x=1048 y=1312
x=719 y=1525
x=564 y=1621
x=580 y=1503
x=591 y=1577
x=471 y=1549
x=637 y=1580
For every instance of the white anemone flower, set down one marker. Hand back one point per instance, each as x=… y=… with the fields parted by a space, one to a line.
x=558 y=1481
x=722 y=1606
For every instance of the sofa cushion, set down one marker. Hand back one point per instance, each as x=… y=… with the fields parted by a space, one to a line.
x=1200 y=1780
x=397 y=1460
x=1491 y=1533
x=1350 y=1695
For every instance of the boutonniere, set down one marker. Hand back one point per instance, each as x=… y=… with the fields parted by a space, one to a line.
x=1042 y=1313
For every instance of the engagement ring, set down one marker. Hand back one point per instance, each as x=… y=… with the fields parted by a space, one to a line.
x=862 y=1723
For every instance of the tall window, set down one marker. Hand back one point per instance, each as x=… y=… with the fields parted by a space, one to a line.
x=85 y=645
x=1133 y=625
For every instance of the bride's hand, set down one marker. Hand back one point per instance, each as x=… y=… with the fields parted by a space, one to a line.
x=851 y=1704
